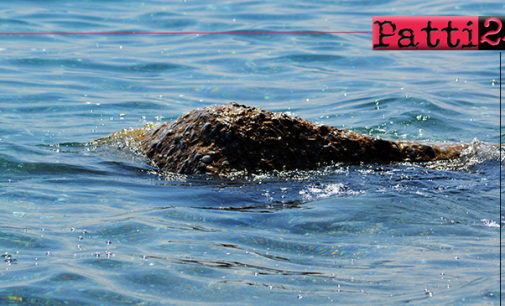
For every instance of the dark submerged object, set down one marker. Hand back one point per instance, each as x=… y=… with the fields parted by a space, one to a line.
x=220 y=139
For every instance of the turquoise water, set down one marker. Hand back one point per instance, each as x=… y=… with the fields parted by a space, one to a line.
x=88 y=226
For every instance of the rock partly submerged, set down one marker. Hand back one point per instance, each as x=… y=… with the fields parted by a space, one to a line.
x=222 y=139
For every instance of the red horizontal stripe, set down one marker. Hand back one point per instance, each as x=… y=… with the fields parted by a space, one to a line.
x=174 y=33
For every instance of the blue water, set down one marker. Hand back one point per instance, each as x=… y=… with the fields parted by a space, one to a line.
x=98 y=226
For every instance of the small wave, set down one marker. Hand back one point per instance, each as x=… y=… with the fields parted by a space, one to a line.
x=477 y=152
x=490 y=223
x=482 y=151
x=326 y=191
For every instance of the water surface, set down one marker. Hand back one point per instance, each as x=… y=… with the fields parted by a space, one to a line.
x=101 y=227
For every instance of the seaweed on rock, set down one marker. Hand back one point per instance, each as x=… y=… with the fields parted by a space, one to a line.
x=222 y=139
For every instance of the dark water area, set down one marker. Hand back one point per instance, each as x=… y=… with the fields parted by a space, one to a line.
x=82 y=225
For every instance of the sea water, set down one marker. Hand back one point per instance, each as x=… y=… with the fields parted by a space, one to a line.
x=81 y=225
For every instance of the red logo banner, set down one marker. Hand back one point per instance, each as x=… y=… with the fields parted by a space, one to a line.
x=438 y=33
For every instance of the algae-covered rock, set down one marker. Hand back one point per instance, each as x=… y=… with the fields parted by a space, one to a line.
x=220 y=139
